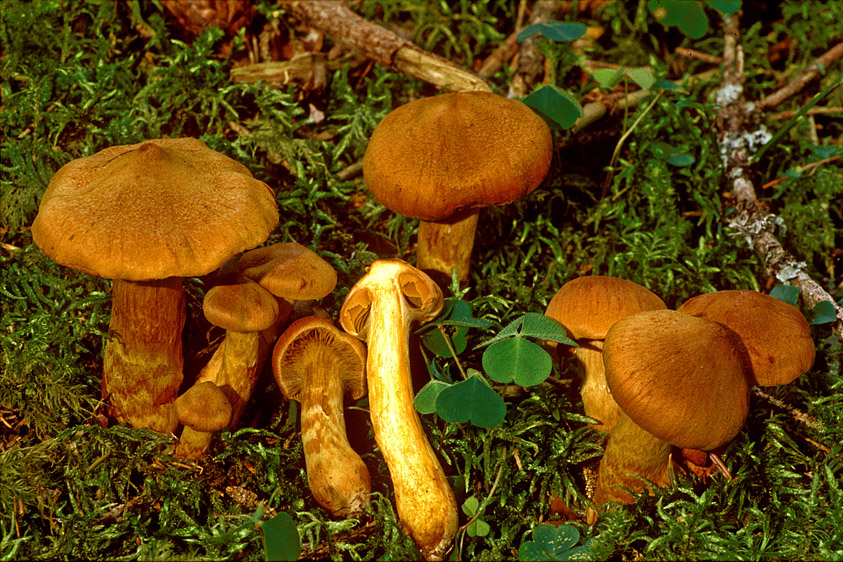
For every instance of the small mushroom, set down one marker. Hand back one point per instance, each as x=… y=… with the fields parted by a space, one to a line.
x=317 y=364
x=379 y=309
x=204 y=410
x=775 y=333
x=146 y=215
x=289 y=270
x=587 y=307
x=243 y=309
x=680 y=380
x=441 y=159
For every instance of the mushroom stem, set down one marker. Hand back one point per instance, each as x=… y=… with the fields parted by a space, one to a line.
x=239 y=368
x=632 y=453
x=596 y=397
x=381 y=308
x=336 y=474
x=193 y=444
x=447 y=244
x=143 y=362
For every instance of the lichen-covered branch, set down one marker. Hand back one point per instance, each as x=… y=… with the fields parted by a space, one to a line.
x=740 y=135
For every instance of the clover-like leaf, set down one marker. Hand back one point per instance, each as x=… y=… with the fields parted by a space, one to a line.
x=554 y=30
x=280 y=538
x=608 y=78
x=785 y=293
x=641 y=76
x=517 y=360
x=824 y=313
x=687 y=15
x=555 y=105
x=725 y=7
x=471 y=400
x=425 y=401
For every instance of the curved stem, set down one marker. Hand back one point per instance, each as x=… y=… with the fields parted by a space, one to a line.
x=336 y=474
x=631 y=454
x=596 y=396
x=424 y=499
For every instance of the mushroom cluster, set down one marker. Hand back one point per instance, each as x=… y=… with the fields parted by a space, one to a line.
x=146 y=215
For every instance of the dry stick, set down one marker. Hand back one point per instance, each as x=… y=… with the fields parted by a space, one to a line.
x=812 y=111
x=751 y=220
x=530 y=62
x=817 y=68
x=342 y=25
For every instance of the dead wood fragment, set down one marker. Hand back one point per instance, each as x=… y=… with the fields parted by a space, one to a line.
x=815 y=70
x=530 y=60
x=337 y=21
x=739 y=137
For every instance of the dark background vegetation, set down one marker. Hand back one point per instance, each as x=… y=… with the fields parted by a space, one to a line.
x=78 y=76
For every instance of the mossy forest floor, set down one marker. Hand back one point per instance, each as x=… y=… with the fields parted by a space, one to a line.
x=640 y=193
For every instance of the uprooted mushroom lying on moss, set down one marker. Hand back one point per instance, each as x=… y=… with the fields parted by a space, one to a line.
x=379 y=309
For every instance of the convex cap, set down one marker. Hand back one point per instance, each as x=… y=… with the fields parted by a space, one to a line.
x=434 y=156
x=157 y=209
x=775 y=333
x=682 y=378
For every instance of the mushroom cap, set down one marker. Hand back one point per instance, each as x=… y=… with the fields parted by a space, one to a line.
x=306 y=334
x=682 y=378
x=435 y=156
x=588 y=306
x=240 y=307
x=289 y=270
x=204 y=407
x=775 y=333
x=161 y=208
x=398 y=279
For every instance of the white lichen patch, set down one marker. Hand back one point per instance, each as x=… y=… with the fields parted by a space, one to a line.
x=746 y=142
x=728 y=94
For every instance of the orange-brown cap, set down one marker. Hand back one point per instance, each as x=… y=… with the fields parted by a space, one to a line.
x=432 y=157
x=160 y=208
x=289 y=270
x=682 y=378
x=321 y=341
x=240 y=307
x=776 y=334
x=588 y=306
x=204 y=407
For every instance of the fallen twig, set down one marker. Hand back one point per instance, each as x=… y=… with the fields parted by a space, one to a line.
x=817 y=69
x=342 y=25
x=740 y=137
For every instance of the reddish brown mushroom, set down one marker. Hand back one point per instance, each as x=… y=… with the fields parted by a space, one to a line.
x=442 y=159
x=146 y=215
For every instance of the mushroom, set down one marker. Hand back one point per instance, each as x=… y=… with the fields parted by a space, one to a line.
x=290 y=272
x=680 y=380
x=587 y=307
x=146 y=215
x=203 y=409
x=317 y=364
x=379 y=309
x=775 y=333
x=441 y=159
x=243 y=309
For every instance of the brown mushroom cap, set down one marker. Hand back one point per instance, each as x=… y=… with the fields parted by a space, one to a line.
x=776 y=334
x=157 y=209
x=241 y=307
x=682 y=378
x=204 y=407
x=435 y=156
x=588 y=306
x=289 y=270
x=307 y=333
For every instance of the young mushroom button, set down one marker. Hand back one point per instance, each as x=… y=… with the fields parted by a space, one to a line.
x=680 y=380
x=203 y=409
x=587 y=307
x=146 y=215
x=317 y=364
x=441 y=159
x=380 y=308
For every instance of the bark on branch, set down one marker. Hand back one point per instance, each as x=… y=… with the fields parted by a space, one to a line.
x=739 y=136
x=342 y=25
